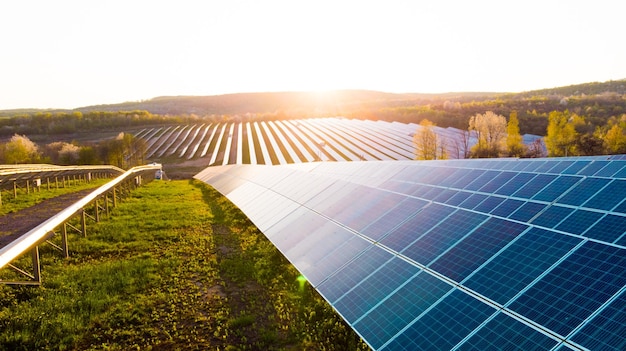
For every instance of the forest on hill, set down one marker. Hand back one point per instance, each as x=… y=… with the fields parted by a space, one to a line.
x=591 y=112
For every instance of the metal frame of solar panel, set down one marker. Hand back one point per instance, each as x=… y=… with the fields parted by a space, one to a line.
x=453 y=255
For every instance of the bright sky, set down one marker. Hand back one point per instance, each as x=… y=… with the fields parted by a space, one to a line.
x=67 y=54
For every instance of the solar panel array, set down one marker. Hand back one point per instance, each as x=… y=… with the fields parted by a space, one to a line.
x=296 y=141
x=500 y=254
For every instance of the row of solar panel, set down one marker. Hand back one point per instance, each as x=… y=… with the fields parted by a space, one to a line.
x=368 y=250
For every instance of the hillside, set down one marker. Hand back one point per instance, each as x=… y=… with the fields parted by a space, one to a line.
x=273 y=102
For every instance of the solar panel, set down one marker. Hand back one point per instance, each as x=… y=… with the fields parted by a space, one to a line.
x=456 y=254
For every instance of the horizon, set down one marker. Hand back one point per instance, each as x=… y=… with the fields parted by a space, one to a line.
x=71 y=54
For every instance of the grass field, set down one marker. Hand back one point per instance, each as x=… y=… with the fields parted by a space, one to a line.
x=176 y=267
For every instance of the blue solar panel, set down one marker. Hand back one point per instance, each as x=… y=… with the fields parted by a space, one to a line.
x=507 y=207
x=458 y=198
x=471 y=252
x=353 y=273
x=400 y=308
x=392 y=217
x=416 y=226
x=572 y=291
x=552 y=216
x=534 y=186
x=459 y=254
x=611 y=169
x=583 y=191
x=376 y=287
x=607 y=330
x=473 y=201
x=609 y=228
x=489 y=204
x=556 y=188
x=527 y=211
x=441 y=237
x=609 y=197
x=497 y=182
x=522 y=262
x=481 y=180
x=576 y=167
x=560 y=166
x=514 y=184
x=579 y=221
x=505 y=333
x=593 y=167
x=444 y=326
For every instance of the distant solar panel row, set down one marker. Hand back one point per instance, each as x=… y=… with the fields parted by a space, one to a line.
x=295 y=141
x=453 y=255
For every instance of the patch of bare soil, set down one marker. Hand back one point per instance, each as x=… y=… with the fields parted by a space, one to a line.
x=13 y=225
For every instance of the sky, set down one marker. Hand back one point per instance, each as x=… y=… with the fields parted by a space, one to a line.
x=69 y=54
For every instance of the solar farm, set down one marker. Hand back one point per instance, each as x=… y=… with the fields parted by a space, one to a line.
x=458 y=254
x=295 y=141
x=502 y=254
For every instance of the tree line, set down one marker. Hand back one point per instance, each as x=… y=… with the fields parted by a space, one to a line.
x=123 y=151
x=567 y=134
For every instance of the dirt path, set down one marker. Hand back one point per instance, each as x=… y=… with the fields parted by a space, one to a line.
x=13 y=225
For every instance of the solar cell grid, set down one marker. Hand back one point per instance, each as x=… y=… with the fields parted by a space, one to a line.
x=441 y=237
x=620 y=174
x=471 y=252
x=443 y=195
x=367 y=211
x=609 y=196
x=519 y=264
x=481 y=180
x=454 y=175
x=592 y=168
x=555 y=189
x=369 y=292
x=489 y=204
x=473 y=201
x=574 y=289
x=400 y=308
x=560 y=166
x=527 y=211
x=609 y=229
x=444 y=326
x=545 y=166
x=533 y=166
x=611 y=169
x=392 y=218
x=583 y=191
x=552 y=216
x=579 y=221
x=416 y=226
x=514 y=184
x=353 y=273
x=497 y=182
x=457 y=198
x=607 y=330
x=505 y=333
x=533 y=186
x=334 y=258
x=507 y=207
x=575 y=167
x=466 y=178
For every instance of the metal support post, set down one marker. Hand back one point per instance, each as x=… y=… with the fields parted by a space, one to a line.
x=66 y=251
x=83 y=222
x=36 y=265
x=14 y=189
x=27 y=186
x=97 y=210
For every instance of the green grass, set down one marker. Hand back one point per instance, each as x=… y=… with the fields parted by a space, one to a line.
x=176 y=267
x=26 y=199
